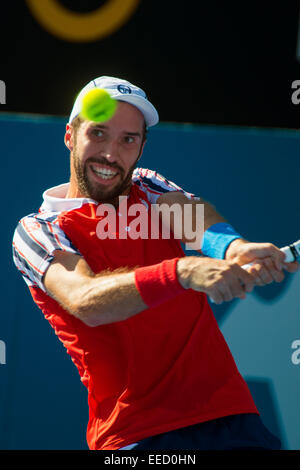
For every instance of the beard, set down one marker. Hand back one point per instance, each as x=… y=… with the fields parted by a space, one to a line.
x=93 y=190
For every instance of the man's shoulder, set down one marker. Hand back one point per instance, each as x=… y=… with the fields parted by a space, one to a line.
x=36 y=226
x=143 y=173
x=147 y=177
x=36 y=217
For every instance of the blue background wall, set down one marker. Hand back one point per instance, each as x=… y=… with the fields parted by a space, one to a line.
x=250 y=175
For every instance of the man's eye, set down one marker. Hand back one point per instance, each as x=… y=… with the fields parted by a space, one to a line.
x=129 y=139
x=98 y=132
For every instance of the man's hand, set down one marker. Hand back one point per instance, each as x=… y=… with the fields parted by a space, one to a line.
x=268 y=260
x=221 y=280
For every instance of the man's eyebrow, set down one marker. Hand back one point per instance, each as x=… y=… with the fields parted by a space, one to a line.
x=99 y=126
x=137 y=134
x=102 y=126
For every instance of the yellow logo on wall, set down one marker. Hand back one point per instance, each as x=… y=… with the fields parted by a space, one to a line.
x=81 y=27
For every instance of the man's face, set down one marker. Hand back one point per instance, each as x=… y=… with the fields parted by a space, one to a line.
x=105 y=154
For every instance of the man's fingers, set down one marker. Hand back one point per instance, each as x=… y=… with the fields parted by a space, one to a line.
x=259 y=251
x=276 y=275
x=238 y=288
x=225 y=291
x=254 y=271
x=279 y=260
x=292 y=267
x=247 y=279
x=266 y=272
x=235 y=283
x=215 y=296
x=263 y=274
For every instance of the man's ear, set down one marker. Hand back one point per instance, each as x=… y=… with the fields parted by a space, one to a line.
x=68 y=139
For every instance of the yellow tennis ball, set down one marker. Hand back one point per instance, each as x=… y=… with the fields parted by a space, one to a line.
x=98 y=105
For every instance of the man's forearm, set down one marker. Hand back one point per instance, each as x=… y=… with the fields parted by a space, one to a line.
x=108 y=299
x=117 y=297
x=211 y=216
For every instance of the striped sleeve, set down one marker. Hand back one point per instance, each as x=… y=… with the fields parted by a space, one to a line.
x=34 y=242
x=154 y=184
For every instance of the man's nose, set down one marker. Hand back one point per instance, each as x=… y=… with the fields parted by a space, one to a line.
x=110 y=152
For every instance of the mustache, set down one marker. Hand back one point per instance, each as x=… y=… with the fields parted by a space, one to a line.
x=103 y=161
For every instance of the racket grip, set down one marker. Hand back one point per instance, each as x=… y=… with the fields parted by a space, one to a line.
x=289 y=256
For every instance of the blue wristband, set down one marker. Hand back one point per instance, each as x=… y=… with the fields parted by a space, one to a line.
x=217 y=238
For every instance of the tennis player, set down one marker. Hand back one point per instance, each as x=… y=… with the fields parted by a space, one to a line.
x=133 y=312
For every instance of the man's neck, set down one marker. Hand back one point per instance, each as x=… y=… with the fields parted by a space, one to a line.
x=73 y=191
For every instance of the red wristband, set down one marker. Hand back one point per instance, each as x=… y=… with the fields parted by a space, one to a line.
x=158 y=283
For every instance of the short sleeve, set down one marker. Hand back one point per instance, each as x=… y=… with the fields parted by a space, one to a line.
x=34 y=242
x=154 y=184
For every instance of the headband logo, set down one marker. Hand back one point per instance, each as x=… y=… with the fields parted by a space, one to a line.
x=125 y=90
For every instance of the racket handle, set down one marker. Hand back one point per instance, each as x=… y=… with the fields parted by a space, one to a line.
x=292 y=252
x=289 y=255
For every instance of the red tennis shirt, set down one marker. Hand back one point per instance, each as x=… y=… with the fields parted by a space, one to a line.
x=162 y=369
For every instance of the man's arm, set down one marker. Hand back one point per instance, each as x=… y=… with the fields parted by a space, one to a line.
x=94 y=299
x=98 y=299
x=211 y=216
x=268 y=260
